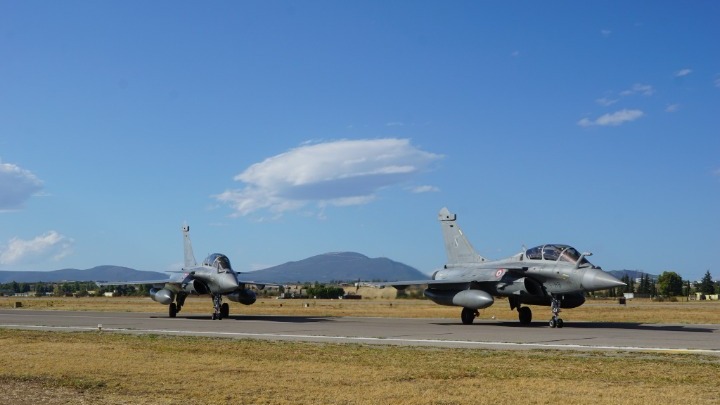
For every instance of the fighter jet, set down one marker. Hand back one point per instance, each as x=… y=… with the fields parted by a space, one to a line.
x=551 y=275
x=214 y=276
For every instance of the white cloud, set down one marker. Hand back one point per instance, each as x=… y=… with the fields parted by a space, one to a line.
x=717 y=82
x=424 y=189
x=639 y=88
x=605 y=33
x=683 y=72
x=50 y=245
x=17 y=185
x=515 y=54
x=395 y=124
x=672 y=108
x=340 y=173
x=606 y=101
x=614 y=119
x=716 y=172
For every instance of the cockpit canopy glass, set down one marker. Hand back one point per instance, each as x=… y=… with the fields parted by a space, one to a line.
x=219 y=262
x=556 y=252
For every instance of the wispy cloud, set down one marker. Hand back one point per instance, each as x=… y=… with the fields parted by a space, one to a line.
x=395 y=124
x=639 y=88
x=683 y=72
x=717 y=81
x=424 y=189
x=672 y=108
x=50 y=245
x=716 y=172
x=339 y=173
x=605 y=32
x=606 y=101
x=17 y=185
x=515 y=54
x=613 y=119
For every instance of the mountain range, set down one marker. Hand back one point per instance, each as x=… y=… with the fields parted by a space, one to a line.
x=342 y=266
x=338 y=266
x=324 y=268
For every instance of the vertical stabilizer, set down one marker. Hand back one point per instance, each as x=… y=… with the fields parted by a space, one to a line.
x=458 y=248
x=189 y=256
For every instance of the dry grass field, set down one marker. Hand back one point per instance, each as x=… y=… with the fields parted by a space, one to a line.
x=77 y=368
x=94 y=367
x=636 y=311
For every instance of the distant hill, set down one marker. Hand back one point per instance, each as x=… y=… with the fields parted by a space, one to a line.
x=99 y=273
x=633 y=274
x=341 y=266
x=344 y=266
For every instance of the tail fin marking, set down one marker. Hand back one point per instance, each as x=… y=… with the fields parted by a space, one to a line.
x=458 y=248
x=189 y=256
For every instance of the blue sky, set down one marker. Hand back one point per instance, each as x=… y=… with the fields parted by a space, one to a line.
x=281 y=130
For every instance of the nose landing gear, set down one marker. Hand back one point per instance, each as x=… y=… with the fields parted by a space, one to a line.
x=555 y=321
x=220 y=310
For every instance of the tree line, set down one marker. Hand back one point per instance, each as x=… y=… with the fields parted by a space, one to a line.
x=77 y=288
x=668 y=284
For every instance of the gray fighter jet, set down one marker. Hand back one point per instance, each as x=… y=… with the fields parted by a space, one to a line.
x=552 y=275
x=214 y=276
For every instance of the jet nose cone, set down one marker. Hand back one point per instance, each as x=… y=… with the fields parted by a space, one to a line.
x=595 y=279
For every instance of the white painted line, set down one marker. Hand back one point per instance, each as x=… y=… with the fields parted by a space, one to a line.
x=378 y=340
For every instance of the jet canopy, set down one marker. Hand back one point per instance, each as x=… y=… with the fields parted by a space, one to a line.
x=556 y=253
x=218 y=261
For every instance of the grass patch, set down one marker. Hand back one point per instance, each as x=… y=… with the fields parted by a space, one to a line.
x=636 y=311
x=168 y=369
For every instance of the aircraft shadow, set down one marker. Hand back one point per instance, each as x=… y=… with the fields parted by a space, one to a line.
x=593 y=325
x=282 y=319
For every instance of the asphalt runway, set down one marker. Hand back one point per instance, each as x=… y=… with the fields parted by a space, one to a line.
x=483 y=334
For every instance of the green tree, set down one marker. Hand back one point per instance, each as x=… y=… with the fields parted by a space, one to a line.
x=670 y=284
x=707 y=286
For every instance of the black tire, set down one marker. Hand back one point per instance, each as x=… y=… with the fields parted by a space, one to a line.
x=560 y=323
x=525 y=315
x=172 y=311
x=467 y=316
x=225 y=310
x=552 y=323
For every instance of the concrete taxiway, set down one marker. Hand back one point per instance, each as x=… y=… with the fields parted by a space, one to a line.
x=702 y=339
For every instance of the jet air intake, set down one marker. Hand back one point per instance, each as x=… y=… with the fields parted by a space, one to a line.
x=196 y=287
x=473 y=299
x=522 y=286
x=163 y=296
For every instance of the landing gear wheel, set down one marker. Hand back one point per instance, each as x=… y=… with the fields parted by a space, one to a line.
x=468 y=315
x=525 y=315
x=172 y=311
x=225 y=310
x=555 y=321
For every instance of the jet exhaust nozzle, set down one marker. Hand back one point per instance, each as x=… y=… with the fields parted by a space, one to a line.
x=163 y=296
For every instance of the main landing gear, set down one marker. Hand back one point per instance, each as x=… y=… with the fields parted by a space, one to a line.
x=468 y=315
x=175 y=308
x=555 y=321
x=220 y=310
x=524 y=313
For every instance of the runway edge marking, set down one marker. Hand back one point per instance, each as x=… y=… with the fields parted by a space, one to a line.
x=375 y=340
